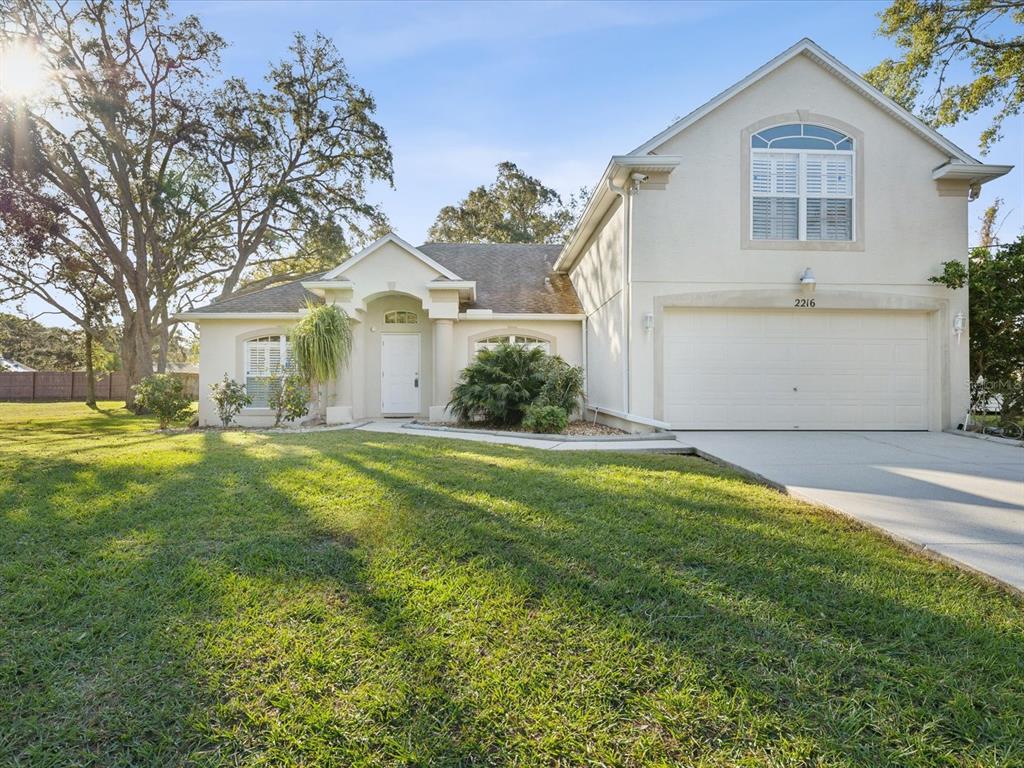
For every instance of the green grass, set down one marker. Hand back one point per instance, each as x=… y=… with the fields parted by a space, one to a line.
x=365 y=599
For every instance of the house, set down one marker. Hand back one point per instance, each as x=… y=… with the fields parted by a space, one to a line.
x=762 y=263
x=13 y=366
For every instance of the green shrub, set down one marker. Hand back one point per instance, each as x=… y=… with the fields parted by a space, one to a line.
x=563 y=384
x=499 y=384
x=230 y=398
x=164 y=396
x=289 y=397
x=548 y=419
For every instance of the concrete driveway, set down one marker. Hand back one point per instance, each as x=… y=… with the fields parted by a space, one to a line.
x=960 y=497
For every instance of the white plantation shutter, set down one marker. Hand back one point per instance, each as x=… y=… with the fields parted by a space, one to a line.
x=266 y=357
x=775 y=174
x=801 y=184
x=776 y=218
x=775 y=183
x=829 y=175
x=829 y=189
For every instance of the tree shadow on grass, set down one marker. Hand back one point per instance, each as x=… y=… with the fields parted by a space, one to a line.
x=837 y=638
x=188 y=612
x=345 y=598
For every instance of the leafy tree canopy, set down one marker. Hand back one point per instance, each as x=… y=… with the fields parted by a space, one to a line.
x=995 y=277
x=48 y=349
x=938 y=37
x=516 y=208
x=140 y=165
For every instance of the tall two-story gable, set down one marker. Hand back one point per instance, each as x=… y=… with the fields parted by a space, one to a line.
x=763 y=263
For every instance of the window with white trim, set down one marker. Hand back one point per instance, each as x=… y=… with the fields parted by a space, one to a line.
x=531 y=342
x=801 y=183
x=266 y=358
x=400 y=317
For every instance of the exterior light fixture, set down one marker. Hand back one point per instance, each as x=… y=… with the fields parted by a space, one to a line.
x=648 y=321
x=807 y=279
x=959 y=323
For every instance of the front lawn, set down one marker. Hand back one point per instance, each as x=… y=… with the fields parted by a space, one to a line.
x=347 y=598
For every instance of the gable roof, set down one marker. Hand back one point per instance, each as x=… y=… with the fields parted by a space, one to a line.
x=287 y=298
x=510 y=278
x=390 y=237
x=823 y=58
x=961 y=166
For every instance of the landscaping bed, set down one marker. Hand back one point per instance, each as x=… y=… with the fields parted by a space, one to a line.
x=576 y=428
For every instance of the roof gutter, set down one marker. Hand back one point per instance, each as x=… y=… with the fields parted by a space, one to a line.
x=616 y=173
x=974 y=174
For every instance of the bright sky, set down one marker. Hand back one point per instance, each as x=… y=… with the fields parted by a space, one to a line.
x=555 y=87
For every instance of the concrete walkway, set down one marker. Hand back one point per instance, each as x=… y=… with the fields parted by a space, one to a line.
x=960 y=497
x=396 y=426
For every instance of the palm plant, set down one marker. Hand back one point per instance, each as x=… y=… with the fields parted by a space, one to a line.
x=499 y=385
x=321 y=342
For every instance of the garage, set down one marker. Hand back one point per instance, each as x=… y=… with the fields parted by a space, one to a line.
x=795 y=369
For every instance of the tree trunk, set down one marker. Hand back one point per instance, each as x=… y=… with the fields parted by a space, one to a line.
x=137 y=357
x=161 y=362
x=90 y=376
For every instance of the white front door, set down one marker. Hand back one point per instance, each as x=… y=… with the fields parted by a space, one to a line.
x=400 y=374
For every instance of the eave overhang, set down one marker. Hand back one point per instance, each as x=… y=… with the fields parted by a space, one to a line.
x=617 y=173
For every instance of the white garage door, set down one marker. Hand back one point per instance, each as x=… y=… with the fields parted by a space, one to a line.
x=795 y=369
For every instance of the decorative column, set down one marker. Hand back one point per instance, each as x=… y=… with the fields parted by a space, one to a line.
x=444 y=331
x=341 y=409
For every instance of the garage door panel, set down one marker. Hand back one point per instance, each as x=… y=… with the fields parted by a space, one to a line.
x=778 y=369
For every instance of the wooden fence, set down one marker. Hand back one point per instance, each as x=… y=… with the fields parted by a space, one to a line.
x=68 y=385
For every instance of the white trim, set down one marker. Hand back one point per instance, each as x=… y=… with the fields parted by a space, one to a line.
x=391 y=237
x=451 y=285
x=629 y=417
x=616 y=172
x=518 y=316
x=193 y=316
x=820 y=56
x=974 y=173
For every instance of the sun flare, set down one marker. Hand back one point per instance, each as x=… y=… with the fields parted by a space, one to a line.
x=23 y=72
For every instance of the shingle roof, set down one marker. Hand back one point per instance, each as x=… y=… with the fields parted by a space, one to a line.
x=509 y=277
x=287 y=297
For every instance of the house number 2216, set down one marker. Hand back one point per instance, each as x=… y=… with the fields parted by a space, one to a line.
x=803 y=302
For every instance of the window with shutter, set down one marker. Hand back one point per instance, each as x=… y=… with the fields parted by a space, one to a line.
x=268 y=359
x=801 y=184
x=513 y=338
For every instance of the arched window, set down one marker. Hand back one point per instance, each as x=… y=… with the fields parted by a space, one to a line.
x=267 y=360
x=801 y=183
x=513 y=338
x=400 y=317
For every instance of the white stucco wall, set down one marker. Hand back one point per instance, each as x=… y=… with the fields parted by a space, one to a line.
x=565 y=337
x=688 y=237
x=598 y=280
x=221 y=351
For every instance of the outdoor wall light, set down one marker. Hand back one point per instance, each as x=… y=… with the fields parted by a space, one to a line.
x=959 y=323
x=807 y=279
x=648 y=320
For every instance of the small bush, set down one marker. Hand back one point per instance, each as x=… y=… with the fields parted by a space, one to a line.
x=289 y=397
x=230 y=398
x=499 y=384
x=563 y=384
x=164 y=396
x=548 y=419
